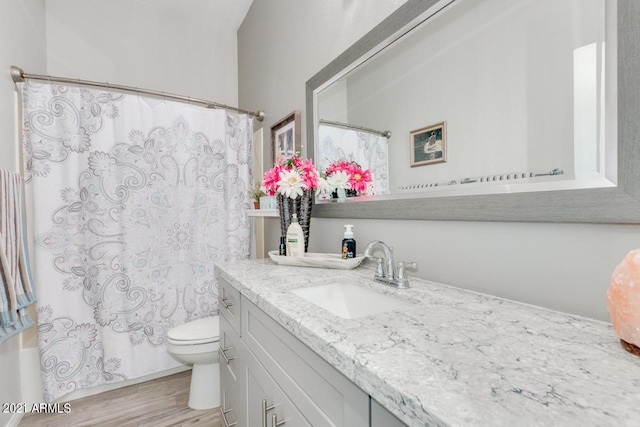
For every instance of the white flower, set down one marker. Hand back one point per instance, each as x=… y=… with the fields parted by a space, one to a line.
x=291 y=184
x=339 y=181
x=323 y=187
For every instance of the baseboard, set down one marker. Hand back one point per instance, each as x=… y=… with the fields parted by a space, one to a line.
x=79 y=394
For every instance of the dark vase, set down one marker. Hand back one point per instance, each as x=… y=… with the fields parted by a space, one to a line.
x=301 y=206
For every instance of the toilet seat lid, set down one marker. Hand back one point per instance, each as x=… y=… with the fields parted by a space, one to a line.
x=204 y=329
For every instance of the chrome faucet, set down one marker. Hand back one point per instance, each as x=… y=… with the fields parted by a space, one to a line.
x=386 y=268
x=382 y=272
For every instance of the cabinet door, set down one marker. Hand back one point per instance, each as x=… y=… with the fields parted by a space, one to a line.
x=265 y=399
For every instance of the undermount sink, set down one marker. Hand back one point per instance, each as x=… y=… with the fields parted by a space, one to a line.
x=349 y=301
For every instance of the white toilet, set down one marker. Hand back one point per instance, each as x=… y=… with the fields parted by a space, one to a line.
x=197 y=343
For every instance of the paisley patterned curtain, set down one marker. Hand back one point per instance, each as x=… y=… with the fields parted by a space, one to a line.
x=370 y=151
x=131 y=201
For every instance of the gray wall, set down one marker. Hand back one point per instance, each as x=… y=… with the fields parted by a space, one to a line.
x=282 y=43
x=22 y=43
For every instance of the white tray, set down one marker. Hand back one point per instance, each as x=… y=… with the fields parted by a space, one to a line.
x=317 y=260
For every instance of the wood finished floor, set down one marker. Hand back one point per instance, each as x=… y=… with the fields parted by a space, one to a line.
x=157 y=403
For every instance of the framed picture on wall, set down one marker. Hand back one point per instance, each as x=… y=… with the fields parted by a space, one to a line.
x=285 y=137
x=429 y=145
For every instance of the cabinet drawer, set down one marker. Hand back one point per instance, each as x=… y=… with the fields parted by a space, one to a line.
x=230 y=351
x=229 y=304
x=318 y=390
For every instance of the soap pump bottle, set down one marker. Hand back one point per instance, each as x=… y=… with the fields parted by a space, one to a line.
x=348 y=243
x=295 y=238
x=282 y=250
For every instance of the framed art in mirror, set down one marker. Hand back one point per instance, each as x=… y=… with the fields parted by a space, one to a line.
x=429 y=145
x=285 y=137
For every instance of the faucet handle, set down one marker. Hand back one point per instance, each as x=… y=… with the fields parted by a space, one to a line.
x=401 y=275
x=380 y=273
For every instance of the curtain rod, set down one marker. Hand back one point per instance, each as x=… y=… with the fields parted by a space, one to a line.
x=385 y=133
x=19 y=76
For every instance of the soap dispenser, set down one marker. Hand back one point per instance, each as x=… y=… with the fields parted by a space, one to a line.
x=348 y=243
x=295 y=238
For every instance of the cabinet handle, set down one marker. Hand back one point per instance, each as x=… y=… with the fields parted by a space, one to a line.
x=224 y=302
x=265 y=409
x=225 y=420
x=275 y=422
x=224 y=355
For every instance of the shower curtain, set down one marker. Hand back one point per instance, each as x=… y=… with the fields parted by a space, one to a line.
x=131 y=200
x=369 y=150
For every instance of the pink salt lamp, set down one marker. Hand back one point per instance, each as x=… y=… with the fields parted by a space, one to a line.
x=623 y=301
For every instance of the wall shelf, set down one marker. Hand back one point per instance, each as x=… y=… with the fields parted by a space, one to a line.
x=263 y=212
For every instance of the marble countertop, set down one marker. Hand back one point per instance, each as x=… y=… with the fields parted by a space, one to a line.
x=455 y=357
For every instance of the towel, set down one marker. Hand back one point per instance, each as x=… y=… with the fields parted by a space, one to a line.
x=16 y=281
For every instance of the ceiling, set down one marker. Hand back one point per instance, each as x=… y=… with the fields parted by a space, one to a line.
x=219 y=13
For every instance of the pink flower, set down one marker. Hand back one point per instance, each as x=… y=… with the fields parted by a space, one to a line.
x=296 y=161
x=338 y=166
x=358 y=177
x=309 y=175
x=271 y=179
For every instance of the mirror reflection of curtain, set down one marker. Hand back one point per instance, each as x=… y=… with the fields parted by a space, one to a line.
x=369 y=150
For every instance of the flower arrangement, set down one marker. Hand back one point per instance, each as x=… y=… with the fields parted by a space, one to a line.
x=290 y=177
x=347 y=175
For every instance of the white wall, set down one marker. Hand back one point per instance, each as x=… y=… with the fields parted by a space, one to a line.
x=143 y=44
x=562 y=266
x=22 y=43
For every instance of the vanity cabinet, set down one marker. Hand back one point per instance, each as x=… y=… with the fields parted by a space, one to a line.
x=267 y=372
